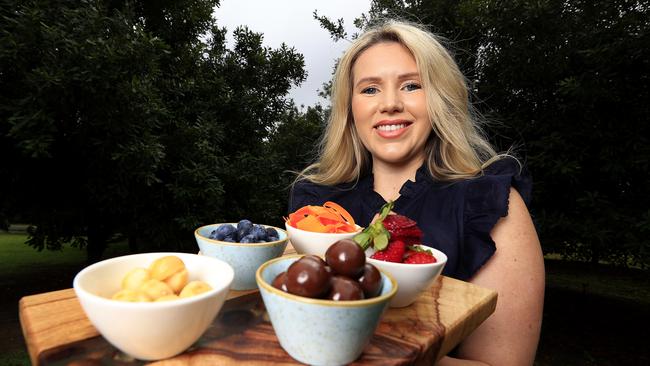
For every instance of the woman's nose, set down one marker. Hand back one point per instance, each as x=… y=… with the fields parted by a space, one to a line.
x=391 y=102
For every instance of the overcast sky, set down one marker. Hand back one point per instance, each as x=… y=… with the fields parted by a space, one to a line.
x=291 y=22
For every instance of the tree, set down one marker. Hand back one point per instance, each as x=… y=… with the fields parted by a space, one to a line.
x=130 y=119
x=291 y=147
x=566 y=82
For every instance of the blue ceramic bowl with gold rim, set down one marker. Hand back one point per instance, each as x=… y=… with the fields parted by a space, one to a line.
x=321 y=332
x=244 y=258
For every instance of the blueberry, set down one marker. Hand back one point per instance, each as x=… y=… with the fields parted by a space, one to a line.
x=223 y=231
x=243 y=228
x=272 y=234
x=259 y=232
x=244 y=223
x=230 y=239
x=250 y=238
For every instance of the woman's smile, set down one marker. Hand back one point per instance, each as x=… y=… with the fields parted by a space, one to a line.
x=391 y=129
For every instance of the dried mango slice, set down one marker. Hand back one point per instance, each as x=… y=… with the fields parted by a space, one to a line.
x=341 y=211
x=311 y=223
x=329 y=218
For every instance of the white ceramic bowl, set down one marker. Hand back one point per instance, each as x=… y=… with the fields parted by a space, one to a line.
x=412 y=278
x=309 y=242
x=154 y=330
x=321 y=332
x=244 y=258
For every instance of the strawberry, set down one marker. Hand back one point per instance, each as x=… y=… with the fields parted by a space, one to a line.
x=416 y=257
x=392 y=222
x=402 y=228
x=393 y=253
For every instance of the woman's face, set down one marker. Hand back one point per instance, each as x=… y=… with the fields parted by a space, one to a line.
x=389 y=105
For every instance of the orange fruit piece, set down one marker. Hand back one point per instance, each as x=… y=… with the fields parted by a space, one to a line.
x=329 y=218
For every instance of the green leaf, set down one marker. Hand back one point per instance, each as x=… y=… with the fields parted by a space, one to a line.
x=381 y=241
x=385 y=210
x=363 y=239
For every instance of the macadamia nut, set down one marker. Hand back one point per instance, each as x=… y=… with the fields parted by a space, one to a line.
x=178 y=280
x=166 y=279
x=163 y=268
x=155 y=289
x=131 y=295
x=167 y=298
x=135 y=278
x=195 y=288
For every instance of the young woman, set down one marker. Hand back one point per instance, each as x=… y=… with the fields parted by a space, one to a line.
x=401 y=129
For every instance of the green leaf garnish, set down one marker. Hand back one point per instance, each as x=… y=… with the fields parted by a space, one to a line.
x=381 y=241
x=376 y=233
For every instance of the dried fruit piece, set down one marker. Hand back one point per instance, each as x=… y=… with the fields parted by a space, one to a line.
x=329 y=218
x=154 y=289
x=178 y=280
x=130 y=295
x=194 y=288
x=135 y=278
x=167 y=298
x=164 y=267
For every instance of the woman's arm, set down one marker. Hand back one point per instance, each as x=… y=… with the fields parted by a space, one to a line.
x=516 y=271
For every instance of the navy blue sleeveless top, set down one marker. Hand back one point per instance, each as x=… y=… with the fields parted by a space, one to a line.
x=455 y=217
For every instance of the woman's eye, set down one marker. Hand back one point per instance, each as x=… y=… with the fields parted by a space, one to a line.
x=369 y=90
x=412 y=86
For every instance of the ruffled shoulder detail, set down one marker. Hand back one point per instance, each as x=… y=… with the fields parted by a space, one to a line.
x=486 y=201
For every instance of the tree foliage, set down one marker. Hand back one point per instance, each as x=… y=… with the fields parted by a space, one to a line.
x=566 y=81
x=132 y=119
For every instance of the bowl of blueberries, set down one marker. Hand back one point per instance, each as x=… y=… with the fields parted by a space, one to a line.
x=244 y=245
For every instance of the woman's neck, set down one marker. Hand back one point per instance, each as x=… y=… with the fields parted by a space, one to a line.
x=389 y=178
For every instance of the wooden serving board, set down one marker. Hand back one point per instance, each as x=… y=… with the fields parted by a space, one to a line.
x=57 y=331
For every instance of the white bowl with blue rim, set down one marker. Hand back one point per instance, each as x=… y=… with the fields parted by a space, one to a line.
x=244 y=258
x=316 y=331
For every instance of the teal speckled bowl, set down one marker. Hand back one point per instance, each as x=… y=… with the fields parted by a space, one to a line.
x=244 y=258
x=321 y=332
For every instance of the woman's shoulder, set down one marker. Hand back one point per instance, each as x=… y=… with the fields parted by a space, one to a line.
x=486 y=200
x=492 y=189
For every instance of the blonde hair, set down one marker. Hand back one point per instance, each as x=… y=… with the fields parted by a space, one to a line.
x=457 y=150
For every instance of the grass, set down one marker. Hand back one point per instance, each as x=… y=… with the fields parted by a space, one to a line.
x=625 y=284
x=16 y=256
x=25 y=271
x=593 y=315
